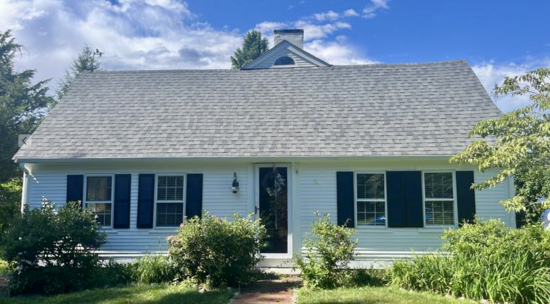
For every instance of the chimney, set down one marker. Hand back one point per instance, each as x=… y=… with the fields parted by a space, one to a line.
x=295 y=37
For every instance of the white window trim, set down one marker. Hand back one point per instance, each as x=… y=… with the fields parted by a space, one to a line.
x=356 y=200
x=112 y=201
x=424 y=199
x=157 y=175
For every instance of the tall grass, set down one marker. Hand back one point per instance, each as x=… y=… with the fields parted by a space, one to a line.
x=153 y=269
x=513 y=267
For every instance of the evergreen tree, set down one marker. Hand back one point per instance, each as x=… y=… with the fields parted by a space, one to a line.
x=85 y=61
x=253 y=47
x=22 y=106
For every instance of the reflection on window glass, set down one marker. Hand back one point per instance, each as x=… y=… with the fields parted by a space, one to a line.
x=439 y=199
x=170 y=188
x=98 y=188
x=371 y=203
x=169 y=214
x=102 y=211
x=439 y=185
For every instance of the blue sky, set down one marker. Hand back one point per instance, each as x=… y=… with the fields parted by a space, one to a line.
x=498 y=38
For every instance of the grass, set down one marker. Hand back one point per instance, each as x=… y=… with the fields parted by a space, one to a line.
x=3 y=266
x=372 y=295
x=139 y=294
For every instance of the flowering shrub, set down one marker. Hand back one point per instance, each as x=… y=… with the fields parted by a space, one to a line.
x=217 y=251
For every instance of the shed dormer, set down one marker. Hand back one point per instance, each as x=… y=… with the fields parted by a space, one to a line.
x=288 y=52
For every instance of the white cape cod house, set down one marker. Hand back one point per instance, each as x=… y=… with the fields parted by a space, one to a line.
x=287 y=135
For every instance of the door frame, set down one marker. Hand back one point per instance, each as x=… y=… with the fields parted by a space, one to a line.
x=257 y=167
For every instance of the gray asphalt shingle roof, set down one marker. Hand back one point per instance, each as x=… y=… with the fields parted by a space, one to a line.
x=368 y=110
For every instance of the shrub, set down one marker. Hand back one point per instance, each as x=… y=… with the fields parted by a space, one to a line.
x=486 y=260
x=153 y=269
x=216 y=251
x=329 y=249
x=52 y=252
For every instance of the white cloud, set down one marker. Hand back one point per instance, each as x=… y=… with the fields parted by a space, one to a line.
x=491 y=74
x=370 y=10
x=147 y=34
x=133 y=34
x=330 y=15
x=350 y=13
x=337 y=52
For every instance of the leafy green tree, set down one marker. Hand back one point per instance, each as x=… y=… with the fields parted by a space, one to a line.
x=22 y=106
x=517 y=144
x=253 y=47
x=85 y=61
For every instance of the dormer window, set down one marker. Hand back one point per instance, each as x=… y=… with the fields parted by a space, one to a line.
x=285 y=60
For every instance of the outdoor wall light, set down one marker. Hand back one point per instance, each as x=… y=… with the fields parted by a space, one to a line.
x=235 y=185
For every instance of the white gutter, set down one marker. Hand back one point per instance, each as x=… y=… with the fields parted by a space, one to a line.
x=236 y=158
x=24 y=194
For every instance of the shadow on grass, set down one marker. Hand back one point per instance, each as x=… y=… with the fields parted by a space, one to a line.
x=140 y=294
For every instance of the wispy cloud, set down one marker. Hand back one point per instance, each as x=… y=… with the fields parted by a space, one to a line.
x=492 y=73
x=330 y=15
x=370 y=10
x=350 y=13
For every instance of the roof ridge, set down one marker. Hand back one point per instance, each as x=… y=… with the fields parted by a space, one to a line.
x=248 y=70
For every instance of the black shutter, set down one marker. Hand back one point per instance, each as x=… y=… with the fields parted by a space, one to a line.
x=405 y=199
x=193 y=202
x=465 y=196
x=345 y=198
x=75 y=188
x=146 y=200
x=122 y=200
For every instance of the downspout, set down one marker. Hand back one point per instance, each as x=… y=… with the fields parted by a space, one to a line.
x=24 y=195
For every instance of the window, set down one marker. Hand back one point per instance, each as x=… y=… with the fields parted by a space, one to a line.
x=285 y=60
x=169 y=201
x=371 y=199
x=439 y=199
x=99 y=193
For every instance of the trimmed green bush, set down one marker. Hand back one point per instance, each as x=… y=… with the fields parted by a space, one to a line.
x=329 y=250
x=486 y=260
x=153 y=269
x=215 y=251
x=51 y=251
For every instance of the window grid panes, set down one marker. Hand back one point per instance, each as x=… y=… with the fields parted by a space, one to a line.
x=371 y=200
x=99 y=188
x=170 y=188
x=169 y=214
x=102 y=211
x=439 y=199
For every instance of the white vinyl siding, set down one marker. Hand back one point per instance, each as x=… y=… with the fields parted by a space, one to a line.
x=50 y=181
x=313 y=189
x=318 y=193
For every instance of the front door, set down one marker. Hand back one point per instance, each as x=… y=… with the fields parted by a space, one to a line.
x=273 y=206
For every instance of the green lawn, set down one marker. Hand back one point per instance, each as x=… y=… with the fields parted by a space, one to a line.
x=140 y=294
x=372 y=295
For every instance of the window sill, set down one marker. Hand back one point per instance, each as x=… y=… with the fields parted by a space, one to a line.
x=434 y=229
x=109 y=230
x=164 y=230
